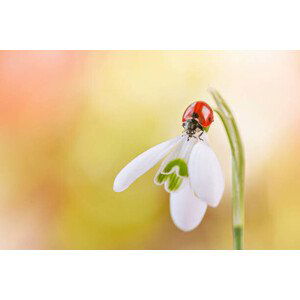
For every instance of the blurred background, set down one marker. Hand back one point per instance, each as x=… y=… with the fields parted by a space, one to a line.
x=70 y=120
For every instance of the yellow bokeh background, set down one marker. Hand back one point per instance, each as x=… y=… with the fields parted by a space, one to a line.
x=70 y=120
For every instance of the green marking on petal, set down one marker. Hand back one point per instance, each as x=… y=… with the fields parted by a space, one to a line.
x=161 y=178
x=172 y=181
x=178 y=162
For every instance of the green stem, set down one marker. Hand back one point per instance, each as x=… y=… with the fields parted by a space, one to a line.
x=238 y=168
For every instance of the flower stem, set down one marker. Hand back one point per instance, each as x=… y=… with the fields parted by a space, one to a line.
x=238 y=168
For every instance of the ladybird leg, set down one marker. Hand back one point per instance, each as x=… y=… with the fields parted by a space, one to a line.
x=200 y=136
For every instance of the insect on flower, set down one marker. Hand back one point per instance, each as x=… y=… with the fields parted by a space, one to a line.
x=190 y=172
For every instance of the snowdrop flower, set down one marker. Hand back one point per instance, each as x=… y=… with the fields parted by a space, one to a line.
x=190 y=172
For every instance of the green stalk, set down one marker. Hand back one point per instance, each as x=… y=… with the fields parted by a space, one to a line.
x=238 y=168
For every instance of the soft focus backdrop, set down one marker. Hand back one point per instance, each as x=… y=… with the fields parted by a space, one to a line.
x=70 y=120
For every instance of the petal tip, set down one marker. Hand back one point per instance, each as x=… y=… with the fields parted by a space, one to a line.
x=185 y=228
x=213 y=204
x=117 y=187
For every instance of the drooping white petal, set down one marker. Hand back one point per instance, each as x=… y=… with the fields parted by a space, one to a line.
x=187 y=210
x=205 y=174
x=142 y=163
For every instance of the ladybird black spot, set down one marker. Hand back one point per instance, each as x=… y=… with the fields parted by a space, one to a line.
x=195 y=115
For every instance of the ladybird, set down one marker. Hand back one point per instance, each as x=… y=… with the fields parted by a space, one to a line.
x=197 y=117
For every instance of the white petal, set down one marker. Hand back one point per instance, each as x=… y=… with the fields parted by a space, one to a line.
x=187 y=210
x=205 y=174
x=142 y=163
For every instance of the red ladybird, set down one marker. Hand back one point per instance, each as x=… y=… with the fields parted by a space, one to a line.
x=199 y=111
